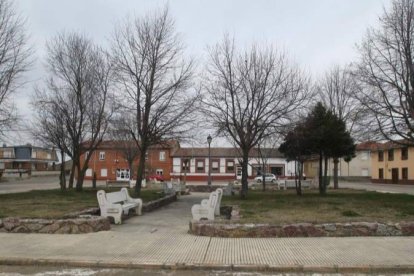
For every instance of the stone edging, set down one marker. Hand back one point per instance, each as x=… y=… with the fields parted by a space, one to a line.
x=155 y=204
x=214 y=229
x=85 y=224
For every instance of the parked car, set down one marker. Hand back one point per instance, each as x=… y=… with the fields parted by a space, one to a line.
x=156 y=177
x=269 y=177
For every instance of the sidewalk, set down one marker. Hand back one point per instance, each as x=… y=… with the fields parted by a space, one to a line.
x=160 y=240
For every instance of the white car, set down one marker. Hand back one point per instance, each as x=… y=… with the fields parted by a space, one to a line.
x=269 y=177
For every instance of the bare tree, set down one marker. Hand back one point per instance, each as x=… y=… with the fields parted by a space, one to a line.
x=78 y=90
x=14 y=60
x=49 y=129
x=386 y=72
x=154 y=81
x=250 y=95
x=336 y=90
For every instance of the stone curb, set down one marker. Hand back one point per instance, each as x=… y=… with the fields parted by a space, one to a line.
x=235 y=267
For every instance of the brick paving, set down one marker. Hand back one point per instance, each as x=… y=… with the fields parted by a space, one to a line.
x=159 y=239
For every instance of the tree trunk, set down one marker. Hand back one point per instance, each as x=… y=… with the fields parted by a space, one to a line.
x=325 y=173
x=140 y=170
x=336 y=161
x=94 y=181
x=79 y=180
x=72 y=175
x=320 y=174
x=244 y=188
x=263 y=178
x=62 y=172
x=299 y=185
x=131 y=172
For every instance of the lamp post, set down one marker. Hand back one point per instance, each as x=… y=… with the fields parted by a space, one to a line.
x=209 y=163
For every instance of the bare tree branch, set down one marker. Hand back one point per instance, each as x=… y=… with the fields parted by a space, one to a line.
x=386 y=72
x=14 y=60
x=251 y=95
x=74 y=109
x=154 y=81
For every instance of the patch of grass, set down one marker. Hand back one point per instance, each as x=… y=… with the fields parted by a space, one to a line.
x=350 y=213
x=343 y=205
x=55 y=203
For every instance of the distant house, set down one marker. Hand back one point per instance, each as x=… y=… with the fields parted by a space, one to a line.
x=359 y=166
x=193 y=163
x=109 y=163
x=26 y=158
x=393 y=163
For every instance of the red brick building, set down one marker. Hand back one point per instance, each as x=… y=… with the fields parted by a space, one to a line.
x=109 y=162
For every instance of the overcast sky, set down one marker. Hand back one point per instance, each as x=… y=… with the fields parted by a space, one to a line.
x=315 y=33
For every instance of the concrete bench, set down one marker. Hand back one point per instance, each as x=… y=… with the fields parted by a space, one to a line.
x=117 y=183
x=117 y=203
x=208 y=207
x=290 y=183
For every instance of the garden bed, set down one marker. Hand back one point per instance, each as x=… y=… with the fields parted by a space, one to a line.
x=76 y=222
x=353 y=229
x=340 y=213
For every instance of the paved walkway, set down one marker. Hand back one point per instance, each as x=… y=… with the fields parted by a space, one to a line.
x=159 y=239
x=382 y=188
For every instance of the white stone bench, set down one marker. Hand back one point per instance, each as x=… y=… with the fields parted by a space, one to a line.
x=208 y=207
x=117 y=203
x=290 y=183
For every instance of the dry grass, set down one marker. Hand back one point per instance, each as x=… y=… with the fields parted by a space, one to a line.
x=54 y=203
x=337 y=206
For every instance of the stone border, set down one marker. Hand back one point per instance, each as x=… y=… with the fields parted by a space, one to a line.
x=155 y=204
x=85 y=221
x=227 y=230
x=85 y=224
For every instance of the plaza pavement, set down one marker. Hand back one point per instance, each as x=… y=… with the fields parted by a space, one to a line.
x=160 y=240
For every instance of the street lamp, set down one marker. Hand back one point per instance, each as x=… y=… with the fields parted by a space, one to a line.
x=209 y=163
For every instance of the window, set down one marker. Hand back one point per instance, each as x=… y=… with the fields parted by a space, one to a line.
x=86 y=155
x=146 y=156
x=49 y=156
x=185 y=165
x=102 y=155
x=215 y=165
x=404 y=173
x=200 y=166
x=159 y=172
x=364 y=155
x=104 y=172
x=34 y=154
x=381 y=173
x=404 y=153
x=391 y=155
x=88 y=172
x=230 y=166
x=162 y=155
x=380 y=156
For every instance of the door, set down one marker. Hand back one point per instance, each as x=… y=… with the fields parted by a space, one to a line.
x=394 y=173
x=122 y=174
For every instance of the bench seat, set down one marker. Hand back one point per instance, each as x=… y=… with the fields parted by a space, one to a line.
x=117 y=203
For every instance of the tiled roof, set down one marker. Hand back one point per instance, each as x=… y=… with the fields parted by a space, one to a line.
x=368 y=145
x=393 y=145
x=117 y=144
x=223 y=152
